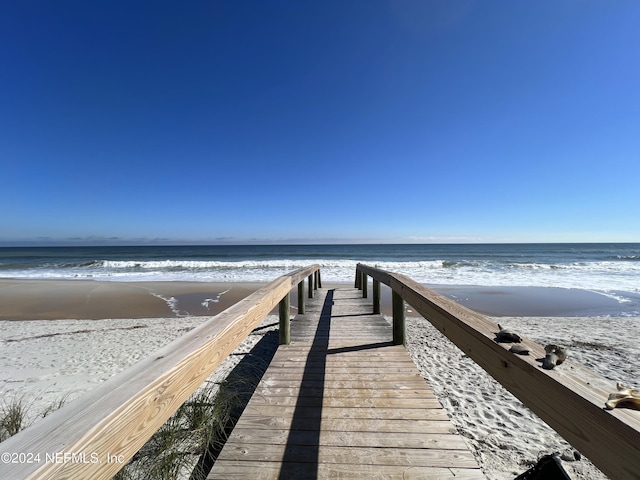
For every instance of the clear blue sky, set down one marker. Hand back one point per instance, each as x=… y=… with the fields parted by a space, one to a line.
x=390 y=121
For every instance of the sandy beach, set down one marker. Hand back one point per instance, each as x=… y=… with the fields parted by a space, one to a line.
x=46 y=360
x=505 y=436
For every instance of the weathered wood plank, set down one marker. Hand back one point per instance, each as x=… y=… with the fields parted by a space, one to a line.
x=309 y=421
x=349 y=438
x=350 y=350
x=345 y=370
x=406 y=416
x=349 y=402
x=398 y=383
x=346 y=393
x=296 y=375
x=347 y=354
x=351 y=455
x=272 y=471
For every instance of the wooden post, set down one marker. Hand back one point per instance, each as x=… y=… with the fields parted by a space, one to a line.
x=301 y=297
x=358 y=284
x=315 y=279
x=285 y=323
x=311 y=286
x=376 y=296
x=364 y=285
x=398 y=319
x=319 y=280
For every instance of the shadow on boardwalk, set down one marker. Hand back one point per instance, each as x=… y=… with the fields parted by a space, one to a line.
x=240 y=385
x=312 y=382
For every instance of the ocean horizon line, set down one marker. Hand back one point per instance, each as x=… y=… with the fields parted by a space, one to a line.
x=275 y=243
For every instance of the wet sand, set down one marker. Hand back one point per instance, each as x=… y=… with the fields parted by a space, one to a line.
x=100 y=300
x=540 y=301
x=94 y=300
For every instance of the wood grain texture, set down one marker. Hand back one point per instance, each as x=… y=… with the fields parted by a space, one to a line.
x=118 y=417
x=566 y=398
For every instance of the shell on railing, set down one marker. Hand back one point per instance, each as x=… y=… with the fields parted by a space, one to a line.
x=625 y=396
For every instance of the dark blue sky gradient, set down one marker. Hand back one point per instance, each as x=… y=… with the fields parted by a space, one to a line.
x=320 y=121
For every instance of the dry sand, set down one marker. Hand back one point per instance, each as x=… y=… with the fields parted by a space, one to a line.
x=505 y=436
x=45 y=361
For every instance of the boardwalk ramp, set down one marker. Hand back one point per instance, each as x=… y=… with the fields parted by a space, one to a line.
x=342 y=401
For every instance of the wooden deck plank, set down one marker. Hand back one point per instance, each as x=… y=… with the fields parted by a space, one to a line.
x=272 y=470
x=344 y=369
x=341 y=378
x=336 y=393
x=347 y=402
x=341 y=401
x=350 y=455
x=358 y=423
x=342 y=438
x=404 y=414
x=349 y=382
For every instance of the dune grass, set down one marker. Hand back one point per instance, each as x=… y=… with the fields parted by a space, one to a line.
x=185 y=447
x=16 y=414
x=13 y=417
x=201 y=425
x=177 y=449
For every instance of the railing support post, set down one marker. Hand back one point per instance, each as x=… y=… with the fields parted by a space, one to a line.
x=285 y=317
x=319 y=280
x=376 y=296
x=311 y=286
x=358 y=284
x=316 y=278
x=398 y=319
x=365 y=293
x=301 y=297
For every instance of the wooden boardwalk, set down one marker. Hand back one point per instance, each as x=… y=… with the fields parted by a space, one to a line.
x=341 y=401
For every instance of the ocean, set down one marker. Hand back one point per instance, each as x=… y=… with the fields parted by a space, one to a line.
x=506 y=280
x=612 y=268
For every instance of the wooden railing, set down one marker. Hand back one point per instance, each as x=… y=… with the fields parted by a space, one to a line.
x=97 y=434
x=566 y=398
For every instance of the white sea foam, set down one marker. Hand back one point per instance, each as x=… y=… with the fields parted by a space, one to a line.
x=209 y=301
x=602 y=276
x=171 y=302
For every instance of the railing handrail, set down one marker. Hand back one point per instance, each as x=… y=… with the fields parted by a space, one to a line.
x=120 y=415
x=562 y=398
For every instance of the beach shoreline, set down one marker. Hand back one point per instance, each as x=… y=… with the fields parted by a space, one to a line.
x=53 y=299
x=98 y=299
